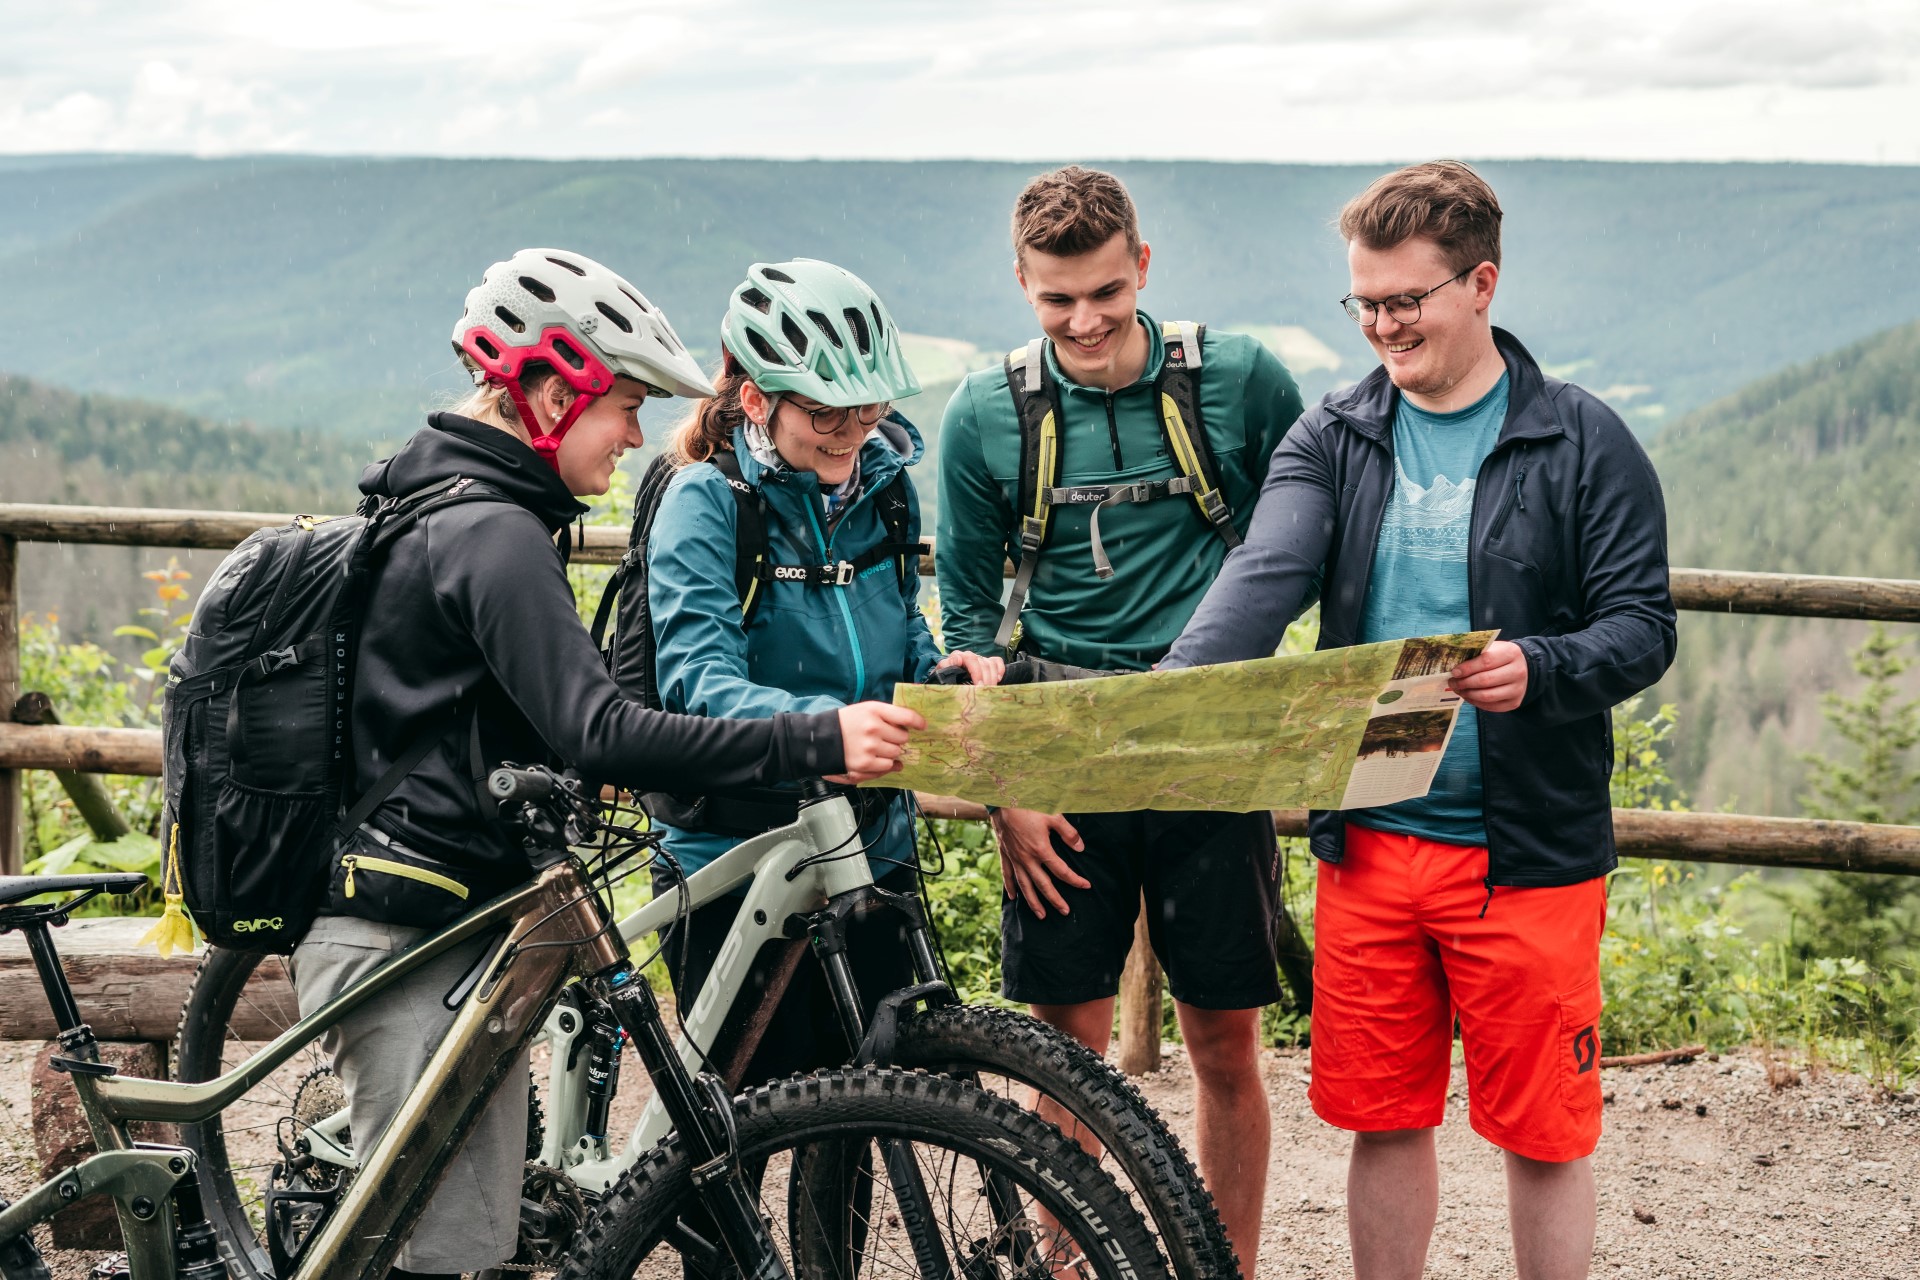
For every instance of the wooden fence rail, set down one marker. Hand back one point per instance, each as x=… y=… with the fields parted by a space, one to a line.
x=1709 y=590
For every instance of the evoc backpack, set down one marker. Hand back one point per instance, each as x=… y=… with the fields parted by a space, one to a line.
x=257 y=715
x=628 y=652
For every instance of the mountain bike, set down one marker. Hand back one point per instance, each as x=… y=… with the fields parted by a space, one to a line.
x=831 y=1174
x=809 y=879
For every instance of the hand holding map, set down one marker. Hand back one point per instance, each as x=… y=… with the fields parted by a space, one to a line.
x=1339 y=729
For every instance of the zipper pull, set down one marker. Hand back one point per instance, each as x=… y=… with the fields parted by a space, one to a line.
x=1518 y=480
x=348 y=863
x=1483 y=906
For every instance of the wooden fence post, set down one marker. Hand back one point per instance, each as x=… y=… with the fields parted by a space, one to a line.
x=10 y=799
x=1140 y=1003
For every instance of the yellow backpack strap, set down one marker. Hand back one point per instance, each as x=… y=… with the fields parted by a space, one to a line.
x=1177 y=391
x=1036 y=407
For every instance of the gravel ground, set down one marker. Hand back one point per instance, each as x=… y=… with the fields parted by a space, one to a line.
x=1705 y=1171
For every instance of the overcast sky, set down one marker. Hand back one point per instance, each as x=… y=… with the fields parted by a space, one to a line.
x=1334 y=80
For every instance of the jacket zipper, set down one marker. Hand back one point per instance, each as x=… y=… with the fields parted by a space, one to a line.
x=1113 y=434
x=846 y=613
x=354 y=861
x=1516 y=499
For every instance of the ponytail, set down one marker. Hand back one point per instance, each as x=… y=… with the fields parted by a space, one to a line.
x=715 y=419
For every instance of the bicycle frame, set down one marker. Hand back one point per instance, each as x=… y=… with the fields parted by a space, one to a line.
x=765 y=916
x=552 y=931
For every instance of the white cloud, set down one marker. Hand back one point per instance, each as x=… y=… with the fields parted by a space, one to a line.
x=1365 y=80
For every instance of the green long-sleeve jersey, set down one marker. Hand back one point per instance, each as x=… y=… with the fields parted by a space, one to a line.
x=1163 y=553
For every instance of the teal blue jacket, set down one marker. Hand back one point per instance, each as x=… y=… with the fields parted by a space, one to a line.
x=1164 y=555
x=809 y=648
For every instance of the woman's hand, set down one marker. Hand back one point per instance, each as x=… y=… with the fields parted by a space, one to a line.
x=983 y=672
x=873 y=735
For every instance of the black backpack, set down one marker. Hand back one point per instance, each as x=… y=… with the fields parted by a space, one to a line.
x=628 y=650
x=1036 y=406
x=257 y=715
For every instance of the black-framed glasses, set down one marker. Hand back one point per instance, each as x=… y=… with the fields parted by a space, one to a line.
x=1404 y=307
x=829 y=418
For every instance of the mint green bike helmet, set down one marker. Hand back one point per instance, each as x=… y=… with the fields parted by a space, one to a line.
x=816 y=329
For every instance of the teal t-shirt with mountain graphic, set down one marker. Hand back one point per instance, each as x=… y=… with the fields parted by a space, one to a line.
x=1418 y=587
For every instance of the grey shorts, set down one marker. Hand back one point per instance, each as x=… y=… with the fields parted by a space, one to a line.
x=473 y=1220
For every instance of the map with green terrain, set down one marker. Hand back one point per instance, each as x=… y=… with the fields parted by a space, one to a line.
x=1283 y=732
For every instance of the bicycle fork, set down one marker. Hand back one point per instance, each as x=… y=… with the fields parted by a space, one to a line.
x=703 y=1114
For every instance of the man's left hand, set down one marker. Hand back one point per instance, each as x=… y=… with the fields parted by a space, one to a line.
x=1494 y=681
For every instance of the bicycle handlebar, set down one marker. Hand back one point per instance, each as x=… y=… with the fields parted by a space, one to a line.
x=520 y=786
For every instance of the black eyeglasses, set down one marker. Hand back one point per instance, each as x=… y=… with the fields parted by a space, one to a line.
x=1404 y=307
x=828 y=418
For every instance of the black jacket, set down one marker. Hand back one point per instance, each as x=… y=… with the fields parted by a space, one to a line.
x=473 y=603
x=1567 y=557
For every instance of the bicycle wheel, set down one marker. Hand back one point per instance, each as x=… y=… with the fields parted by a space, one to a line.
x=247 y=1148
x=1000 y=1048
x=1004 y=1193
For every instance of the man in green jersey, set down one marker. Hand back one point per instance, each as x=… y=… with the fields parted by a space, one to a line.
x=1117 y=462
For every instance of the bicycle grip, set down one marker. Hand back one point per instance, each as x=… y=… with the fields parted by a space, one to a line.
x=520 y=786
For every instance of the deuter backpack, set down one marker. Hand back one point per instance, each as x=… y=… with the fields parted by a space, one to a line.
x=1036 y=406
x=257 y=716
x=628 y=650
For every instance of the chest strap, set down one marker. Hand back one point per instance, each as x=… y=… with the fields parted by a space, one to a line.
x=1036 y=403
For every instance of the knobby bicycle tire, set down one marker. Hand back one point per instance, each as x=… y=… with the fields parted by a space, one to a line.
x=20 y=1259
x=966 y=1040
x=1098 y=1233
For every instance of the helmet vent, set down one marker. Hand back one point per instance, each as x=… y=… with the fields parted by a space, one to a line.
x=825 y=326
x=795 y=337
x=757 y=300
x=537 y=289
x=879 y=325
x=511 y=320
x=562 y=262
x=862 y=338
x=614 y=316
x=763 y=348
x=775 y=273
x=480 y=341
x=566 y=352
x=635 y=299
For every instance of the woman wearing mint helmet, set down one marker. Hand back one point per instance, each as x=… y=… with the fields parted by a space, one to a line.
x=802 y=416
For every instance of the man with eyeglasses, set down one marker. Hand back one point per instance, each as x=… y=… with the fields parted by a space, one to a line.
x=1459 y=488
x=1068 y=457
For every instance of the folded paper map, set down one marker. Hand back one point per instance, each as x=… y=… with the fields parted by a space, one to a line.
x=1339 y=729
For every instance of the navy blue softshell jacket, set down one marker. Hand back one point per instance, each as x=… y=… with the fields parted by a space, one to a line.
x=810 y=649
x=1567 y=558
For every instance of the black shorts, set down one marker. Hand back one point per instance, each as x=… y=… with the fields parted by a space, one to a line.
x=1211 y=882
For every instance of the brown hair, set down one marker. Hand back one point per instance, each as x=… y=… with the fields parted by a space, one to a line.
x=1443 y=200
x=714 y=420
x=1072 y=211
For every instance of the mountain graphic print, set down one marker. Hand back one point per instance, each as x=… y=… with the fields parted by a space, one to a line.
x=1427 y=522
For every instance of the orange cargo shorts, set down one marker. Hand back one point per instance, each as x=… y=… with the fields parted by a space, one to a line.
x=1407 y=938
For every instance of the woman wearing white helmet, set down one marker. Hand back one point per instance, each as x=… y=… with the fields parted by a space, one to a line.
x=471 y=648
x=801 y=421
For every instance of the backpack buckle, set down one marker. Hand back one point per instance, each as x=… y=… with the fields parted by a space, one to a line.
x=278 y=660
x=837 y=574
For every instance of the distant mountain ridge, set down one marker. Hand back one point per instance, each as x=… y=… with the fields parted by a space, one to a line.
x=309 y=291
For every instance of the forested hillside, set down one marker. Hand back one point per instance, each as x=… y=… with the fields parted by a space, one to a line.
x=1813 y=470
x=59 y=446
x=319 y=292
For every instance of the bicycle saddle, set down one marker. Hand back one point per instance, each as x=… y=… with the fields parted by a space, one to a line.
x=15 y=889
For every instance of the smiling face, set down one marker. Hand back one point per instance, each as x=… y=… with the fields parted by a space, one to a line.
x=606 y=429
x=830 y=455
x=1446 y=359
x=1087 y=304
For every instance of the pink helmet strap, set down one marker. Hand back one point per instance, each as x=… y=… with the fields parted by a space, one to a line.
x=565 y=353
